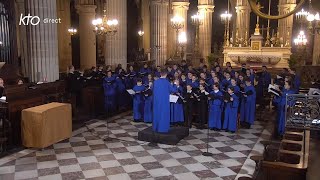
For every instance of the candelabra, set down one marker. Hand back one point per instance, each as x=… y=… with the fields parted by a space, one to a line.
x=182 y=39
x=140 y=33
x=105 y=26
x=226 y=17
x=197 y=21
x=177 y=23
x=301 y=39
x=72 y=31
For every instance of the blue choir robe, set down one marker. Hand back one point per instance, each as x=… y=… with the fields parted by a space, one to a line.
x=248 y=105
x=161 y=105
x=226 y=83
x=236 y=90
x=251 y=77
x=147 y=117
x=296 y=83
x=144 y=73
x=138 y=102
x=122 y=99
x=194 y=85
x=215 y=111
x=281 y=109
x=110 y=88
x=177 y=113
x=231 y=113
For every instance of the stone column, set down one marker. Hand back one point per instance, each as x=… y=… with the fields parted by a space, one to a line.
x=145 y=15
x=22 y=37
x=116 y=46
x=159 y=31
x=43 y=62
x=205 y=8
x=65 y=50
x=285 y=25
x=316 y=50
x=243 y=18
x=180 y=8
x=86 y=10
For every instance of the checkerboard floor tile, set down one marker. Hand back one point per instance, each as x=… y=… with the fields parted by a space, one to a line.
x=86 y=156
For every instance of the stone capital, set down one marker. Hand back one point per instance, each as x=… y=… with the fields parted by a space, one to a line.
x=182 y=4
x=206 y=8
x=157 y=2
x=20 y=1
x=86 y=8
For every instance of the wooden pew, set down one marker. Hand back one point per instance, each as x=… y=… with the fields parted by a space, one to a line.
x=19 y=97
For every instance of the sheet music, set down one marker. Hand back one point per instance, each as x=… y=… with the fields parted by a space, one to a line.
x=3 y=99
x=273 y=89
x=131 y=92
x=173 y=98
x=279 y=77
x=206 y=93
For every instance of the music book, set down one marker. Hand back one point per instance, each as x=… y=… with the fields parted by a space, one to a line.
x=273 y=89
x=131 y=92
x=173 y=98
x=279 y=77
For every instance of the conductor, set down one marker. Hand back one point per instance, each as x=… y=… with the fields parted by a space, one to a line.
x=161 y=105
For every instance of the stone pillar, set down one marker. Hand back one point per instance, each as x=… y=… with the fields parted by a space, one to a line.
x=316 y=50
x=22 y=37
x=145 y=15
x=205 y=8
x=43 y=62
x=116 y=46
x=243 y=18
x=86 y=10
x=65 y=50
x=180 y=8
x=285 y=25
x=159 y=31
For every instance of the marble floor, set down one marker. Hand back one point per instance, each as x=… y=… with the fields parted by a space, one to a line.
x=86 y=156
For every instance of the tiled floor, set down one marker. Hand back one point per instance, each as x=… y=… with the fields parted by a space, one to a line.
x=86 y=156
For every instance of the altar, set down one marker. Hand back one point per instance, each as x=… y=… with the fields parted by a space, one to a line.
x=272 y=57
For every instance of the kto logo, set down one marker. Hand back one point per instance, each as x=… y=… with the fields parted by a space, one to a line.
x=25 y=20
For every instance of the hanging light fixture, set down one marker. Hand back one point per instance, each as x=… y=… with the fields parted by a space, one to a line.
x=105 y=26
x=72 y=31
x=301 y=39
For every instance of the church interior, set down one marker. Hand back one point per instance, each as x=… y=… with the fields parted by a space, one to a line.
x=160 y=89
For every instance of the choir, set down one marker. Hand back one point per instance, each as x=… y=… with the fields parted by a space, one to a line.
x=221 y=98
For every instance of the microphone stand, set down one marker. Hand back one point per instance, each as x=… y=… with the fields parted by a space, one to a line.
x=207 y=153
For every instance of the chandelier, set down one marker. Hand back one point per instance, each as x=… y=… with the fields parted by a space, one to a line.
x=301 y=39
x=226 y=16
x=72 y=31
x=105 y=26
x=311 y=17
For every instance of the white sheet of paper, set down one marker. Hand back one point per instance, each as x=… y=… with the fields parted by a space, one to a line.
x=173 y=98
x=131 y=92
x=279 y=77
x=3 y=99
x=206 y=93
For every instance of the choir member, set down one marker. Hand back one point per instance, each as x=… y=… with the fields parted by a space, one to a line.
x=74 y=84
x=194 y=81
x=249 y=104
x=1 y=87
x=183 y=81
x=244 y=68
x=189 y=101
x=241 y=82
x=177 y=114
x=265 y=78
x=147 y=117
x=281 y=106
x=157 y=72
x=138 y=101
x=144 y=71
x=218 y=72
x=109 y=86
x=215 y=108
x=250 y=75
x=121 y=93
x=161 y=104
x=231 y=110
x=235 y=87
x=296 y=80
x=184 y=65
x=20 y=82
x=227 y=81
x=202 y=105
x=118 y=69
